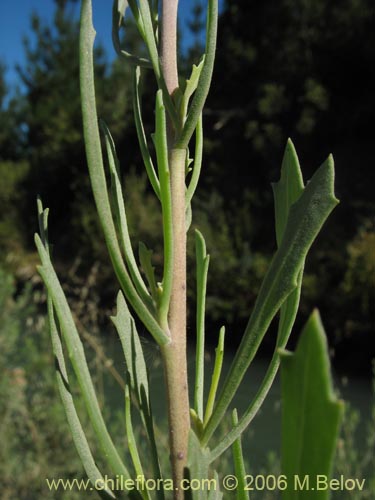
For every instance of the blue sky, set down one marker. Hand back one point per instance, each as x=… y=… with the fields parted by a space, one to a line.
x=15 y=24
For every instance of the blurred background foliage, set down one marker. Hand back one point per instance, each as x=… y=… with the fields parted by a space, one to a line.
x=302 y=69
x=32 y=425
x=35 y=439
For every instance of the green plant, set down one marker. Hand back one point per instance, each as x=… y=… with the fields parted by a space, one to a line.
x=354 y=461
x=32 y=425
x=160 y=304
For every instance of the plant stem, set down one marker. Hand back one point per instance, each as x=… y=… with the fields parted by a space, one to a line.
x=174 y=353
x=168 y=46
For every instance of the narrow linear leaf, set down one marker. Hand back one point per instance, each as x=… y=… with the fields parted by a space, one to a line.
x=97 y=176
x=135 y=60
x=118 y=14
x=149 y=36
x=286 y=321
x=133 y=4
x=250 y=412
x=305 y=220
x=132 y=444
x=204 y=79
x=76 y=429
x=219 y=356
x=78 y=359
x=141 y=133
x=78 y=434
x=196 y=423
x=132 y=349
x=197 y=162
x=138 y=376
x=202 y=260
x=311 y=413
x=43 y=223
x=120 y=217
x=160 y=139
x=154 y=5
x=239 y=464
x=188 y=217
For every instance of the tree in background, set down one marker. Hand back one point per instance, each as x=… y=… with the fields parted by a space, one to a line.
x=310 y=69
x=13 y=169
x=54 y=132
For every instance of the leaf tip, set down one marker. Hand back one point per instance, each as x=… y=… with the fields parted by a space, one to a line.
x=290 y=146
x=39 y=204
x=284 y=353
x=120 y=300
x=235 y=416
x=38 y=243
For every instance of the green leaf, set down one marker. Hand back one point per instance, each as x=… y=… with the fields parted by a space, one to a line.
x=204 y=78
x=133 y=4
x=120 y=216
x=132 y=349
x=132 y=441
x=239 y=465
x=145 y=256
x=97 y=175
x=196 y=423
x=138 y=375
x=219 y=356
x=43 y=223
x=160 y=140
x=78 y=359
x=287 y=190
x=147 y=160
x=118 y=14
x=149 y=36
x=188 y=217
x=76 y=429
x=190 y=86
x=198 y=154
x=250 y=412
x=197 y=466
x=311 y=413
x=305 y=220
x=202 y=260
x=192 y=82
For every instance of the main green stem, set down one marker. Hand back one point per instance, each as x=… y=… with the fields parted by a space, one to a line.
x=174 y=353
